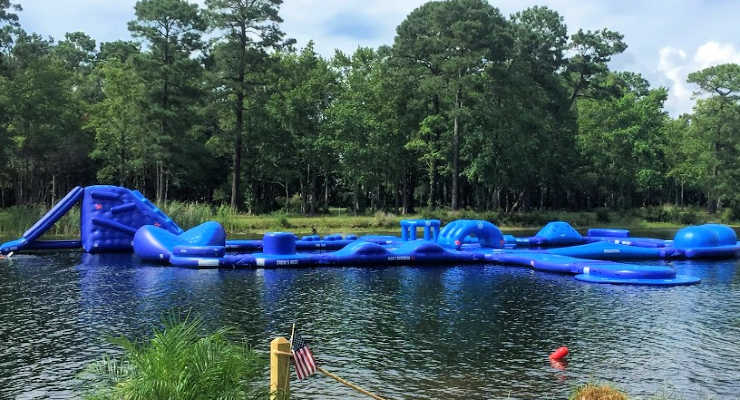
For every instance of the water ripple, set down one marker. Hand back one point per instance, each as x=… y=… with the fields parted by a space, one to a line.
x=424 y=333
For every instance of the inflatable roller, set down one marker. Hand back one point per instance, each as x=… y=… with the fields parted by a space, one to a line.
x=675 y=281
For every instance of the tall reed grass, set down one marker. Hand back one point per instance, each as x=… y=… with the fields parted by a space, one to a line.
x=15 y=220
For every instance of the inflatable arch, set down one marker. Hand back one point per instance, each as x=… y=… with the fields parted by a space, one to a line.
x=487 y=234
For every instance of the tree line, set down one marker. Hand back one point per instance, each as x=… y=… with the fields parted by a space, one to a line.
x=467 y=108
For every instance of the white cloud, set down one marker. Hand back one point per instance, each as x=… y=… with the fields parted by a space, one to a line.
x=675 y=65
x=714 y=53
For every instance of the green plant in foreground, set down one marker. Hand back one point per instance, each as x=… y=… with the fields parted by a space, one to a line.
x=179 y=363
x=590 y=391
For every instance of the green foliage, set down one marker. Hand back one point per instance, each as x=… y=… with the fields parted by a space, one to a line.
x=626 y=136
x=188 y=215
x=122 y=138
x=590 y=391
x=180 y=363
x=672 y=214
x=602 y=215
x=467 y=111
x=17 y=219
x=283 y=222
x=240 y=67
x=722 y=80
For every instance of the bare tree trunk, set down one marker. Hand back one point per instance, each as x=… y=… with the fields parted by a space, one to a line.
x=53 y=189
x=287 y=194
x=456 y=153
x=236 y=165
x=326 y=191
x=432 y=183
x=239 y=113
x=302 y=189
x=159 y=181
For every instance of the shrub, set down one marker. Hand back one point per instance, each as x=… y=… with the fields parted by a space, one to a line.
x=688 y=217
x=602 y=215
x=727 y=216
x=590 y=391
x=283 y=222
x=385 y=220
x=433 y=213
x=658 y=214
x=178 y=363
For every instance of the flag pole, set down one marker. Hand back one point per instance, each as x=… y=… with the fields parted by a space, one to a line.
x=348 y=383
x=292 y=332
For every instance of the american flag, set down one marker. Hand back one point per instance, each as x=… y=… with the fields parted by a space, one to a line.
x=305 y=365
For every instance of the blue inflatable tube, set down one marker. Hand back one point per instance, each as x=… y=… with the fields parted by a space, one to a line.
x=595 y=271
x=729 y=251
x=678 y=280
x=244 y=245
x=610 y=233
x=538 y=261
x=54 y=245
x=251 y=245
x=631 y=241
x=198 y=251
x=613 y=251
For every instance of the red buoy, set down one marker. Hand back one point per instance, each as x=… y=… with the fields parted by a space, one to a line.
x=559 y=354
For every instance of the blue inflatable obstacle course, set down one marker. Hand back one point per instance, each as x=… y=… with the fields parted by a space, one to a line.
x=460 y=242
x=109 y=218
x=119 y=219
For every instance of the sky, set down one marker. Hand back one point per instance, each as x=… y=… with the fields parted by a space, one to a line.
x=667 y=39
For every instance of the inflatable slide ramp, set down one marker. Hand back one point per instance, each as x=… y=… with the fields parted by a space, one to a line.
x=109 y=217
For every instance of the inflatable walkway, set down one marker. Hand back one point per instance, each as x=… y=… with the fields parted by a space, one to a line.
x=118 y=219
x=460 y=242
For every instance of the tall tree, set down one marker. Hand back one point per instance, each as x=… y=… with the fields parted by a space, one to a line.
x=249 y=29
x=173 y=30
x=587 y=68
x=449 y=43
x=623 y=137
x=8 y=23
x=44 y=117
x=119 y=123
x=716 y=122
x=301 y=99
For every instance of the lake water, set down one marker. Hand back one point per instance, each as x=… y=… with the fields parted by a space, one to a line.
x=458 y=332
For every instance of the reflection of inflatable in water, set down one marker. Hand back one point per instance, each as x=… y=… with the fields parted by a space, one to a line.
x=118 y=219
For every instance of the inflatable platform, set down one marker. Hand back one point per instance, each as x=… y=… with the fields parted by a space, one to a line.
x=118 y=219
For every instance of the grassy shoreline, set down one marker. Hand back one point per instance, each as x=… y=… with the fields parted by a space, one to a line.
x=15 y=220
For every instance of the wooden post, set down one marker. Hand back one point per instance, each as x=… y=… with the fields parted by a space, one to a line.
x=279 y=368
